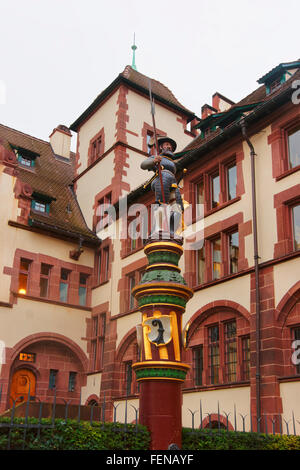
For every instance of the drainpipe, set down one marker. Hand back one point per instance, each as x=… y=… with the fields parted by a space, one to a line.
x=256 y=267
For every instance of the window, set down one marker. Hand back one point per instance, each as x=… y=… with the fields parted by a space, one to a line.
x=132 y=280
x=230 y=351
x=294 y=148
x=213 y=354
x=274 y=85
x=128 y=377
x=296 y=226
x=97 y=341
x=131 y=302
x=219 y=355
x=64 y=285
x=40 y=206
x=198 y=364
x=231 y=182
x=102 y=217
x=72 y=381
x=296 y=337
x=215 y=190
x=25 y=157
x=246 y=358
x=52 y=378
x=24 y=276
x=149 y=137
x=44 y=280
x=233 y=239
x=217 y=186
x=97 y=148
x=201 y=266
x=103 y=265
x=216 y=258
x=83 y=279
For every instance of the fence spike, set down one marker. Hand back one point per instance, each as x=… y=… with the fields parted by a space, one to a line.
x=266 y=424
x=54 y=407
x=201 y=414
x=136 y=417
x=235 y=428
x=294 y=424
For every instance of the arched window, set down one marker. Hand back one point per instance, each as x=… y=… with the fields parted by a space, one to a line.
x=128 y=355
x=291 y=342
x=219 y=348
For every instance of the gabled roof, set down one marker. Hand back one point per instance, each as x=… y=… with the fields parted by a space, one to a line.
x=140 y=82
x=264 y=104
x=276 y=70
x=51 y=177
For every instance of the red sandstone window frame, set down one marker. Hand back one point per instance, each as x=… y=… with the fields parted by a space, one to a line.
x=279 y=141
x=47 y=277
x=129 y=388
x=132 y=279
x=206 y=180
x=96 y=147
x=66 y=282
x=24 y=273
x=133 y=245
x=102 y=221
x=225 y=264
x=97 y=341
x=230 y=354
x=197 y=358
x=295 y=336
x=83 y=284
x=284 y=203
x=102 y=265
x=216 y=364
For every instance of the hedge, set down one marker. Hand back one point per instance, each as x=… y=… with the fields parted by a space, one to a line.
x=72 y=435
x=214 y=439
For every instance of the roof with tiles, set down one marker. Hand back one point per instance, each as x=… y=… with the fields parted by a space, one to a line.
x=51 y=176
x=140 y=82
x=258 y=97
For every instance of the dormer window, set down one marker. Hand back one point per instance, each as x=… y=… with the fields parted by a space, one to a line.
x=40 y=206
x=275 y=85
x=41 y=203
x=278 y=75
x=25 y=157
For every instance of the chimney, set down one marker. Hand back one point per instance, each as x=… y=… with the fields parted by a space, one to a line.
x=207 y=110
x=60 y=141
x=221 y=103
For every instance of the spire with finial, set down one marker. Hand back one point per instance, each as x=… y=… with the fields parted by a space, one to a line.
x=133 y=47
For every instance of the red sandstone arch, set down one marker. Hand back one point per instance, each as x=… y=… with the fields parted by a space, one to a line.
x=125 y=342
x=287 y=302
x=46 y=336
x=215 y=418
x=92 y=397
x=213 y=307
x=122 y=349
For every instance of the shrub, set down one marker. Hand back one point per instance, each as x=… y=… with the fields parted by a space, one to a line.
x=71 y=435
x=214 y=439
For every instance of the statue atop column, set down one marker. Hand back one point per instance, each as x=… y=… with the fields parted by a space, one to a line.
x=165 y=185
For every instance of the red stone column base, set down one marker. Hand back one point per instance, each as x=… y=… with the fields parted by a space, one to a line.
x=160 y=411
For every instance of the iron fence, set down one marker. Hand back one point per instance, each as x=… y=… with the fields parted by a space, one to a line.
x=27 y=425
x=238 y=422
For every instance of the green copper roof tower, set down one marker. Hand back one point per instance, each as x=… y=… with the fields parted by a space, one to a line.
x=133 y=47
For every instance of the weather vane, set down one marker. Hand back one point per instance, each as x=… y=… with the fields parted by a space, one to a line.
x=133 y=47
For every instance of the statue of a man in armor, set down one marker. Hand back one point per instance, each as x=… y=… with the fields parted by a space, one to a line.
x=167 y=192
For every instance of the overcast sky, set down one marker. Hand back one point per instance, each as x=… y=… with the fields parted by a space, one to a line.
x=58 y=55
